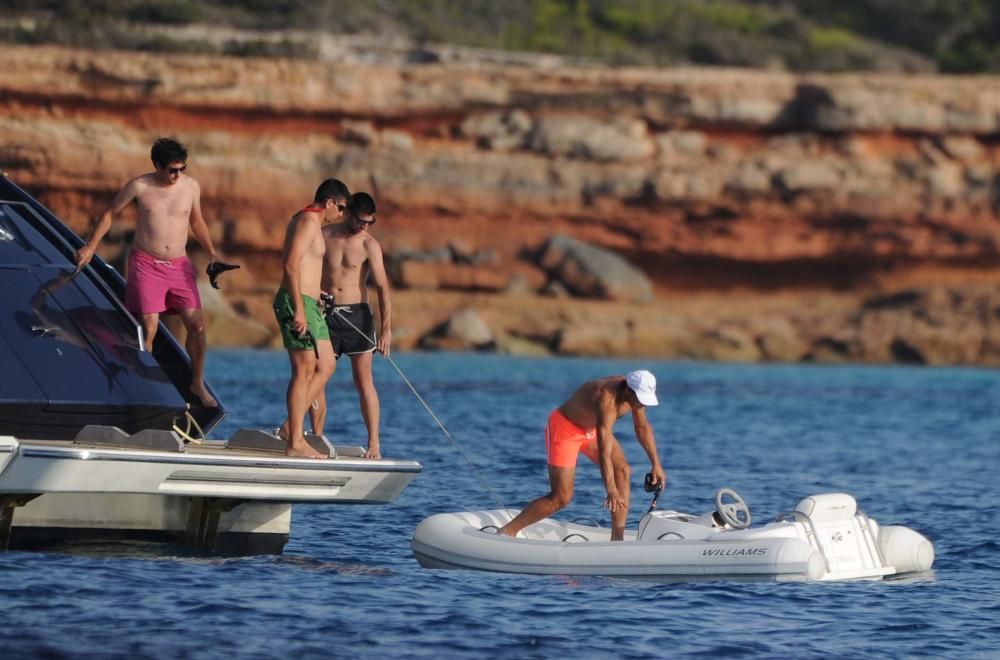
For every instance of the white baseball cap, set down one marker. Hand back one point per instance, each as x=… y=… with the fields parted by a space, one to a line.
x=643 y=384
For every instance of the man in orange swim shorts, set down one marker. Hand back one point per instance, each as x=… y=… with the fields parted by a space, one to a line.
x=584 y=424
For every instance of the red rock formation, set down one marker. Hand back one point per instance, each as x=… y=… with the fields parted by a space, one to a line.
x=711 y=181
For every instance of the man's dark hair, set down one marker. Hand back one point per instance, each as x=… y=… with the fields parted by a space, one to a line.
x=334 y=189
x=362 y=204
x=166 y=151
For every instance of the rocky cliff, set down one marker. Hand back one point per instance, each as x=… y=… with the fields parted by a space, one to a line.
x=540 y=206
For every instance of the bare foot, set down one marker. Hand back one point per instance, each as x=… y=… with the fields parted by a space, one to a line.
x=373 y=453
x=303 y=449
x=282 y=432
x=200 y=391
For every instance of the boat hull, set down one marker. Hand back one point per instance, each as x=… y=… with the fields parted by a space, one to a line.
x=58 y=520
x=826 y=538
x=455 y=540
x=210 y=497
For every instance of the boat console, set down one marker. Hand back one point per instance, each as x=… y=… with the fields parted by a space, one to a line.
x=851 y=544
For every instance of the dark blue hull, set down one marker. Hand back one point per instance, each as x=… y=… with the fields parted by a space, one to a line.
x=70 y=353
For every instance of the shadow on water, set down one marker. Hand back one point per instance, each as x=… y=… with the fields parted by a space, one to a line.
x=173 y=552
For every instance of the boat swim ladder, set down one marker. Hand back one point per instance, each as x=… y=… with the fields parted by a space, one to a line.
x=448 y=435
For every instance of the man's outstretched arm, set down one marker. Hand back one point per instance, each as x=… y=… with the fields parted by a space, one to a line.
x=644 y=434
x=121 y=200
x=606 y=441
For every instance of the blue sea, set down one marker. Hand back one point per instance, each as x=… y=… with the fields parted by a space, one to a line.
x=916 y=446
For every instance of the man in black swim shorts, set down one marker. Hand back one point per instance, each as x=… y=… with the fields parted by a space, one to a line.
x=352 y=254
x=352 y=327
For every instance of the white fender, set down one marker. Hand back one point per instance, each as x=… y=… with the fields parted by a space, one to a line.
x=904 y=549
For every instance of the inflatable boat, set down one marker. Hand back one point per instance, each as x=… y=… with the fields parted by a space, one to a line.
x=825 y=537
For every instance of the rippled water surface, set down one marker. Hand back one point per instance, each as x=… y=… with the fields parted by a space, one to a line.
x=917 y=447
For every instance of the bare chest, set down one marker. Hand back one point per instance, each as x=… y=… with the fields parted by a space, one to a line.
x=164 y=205
x=346 y=255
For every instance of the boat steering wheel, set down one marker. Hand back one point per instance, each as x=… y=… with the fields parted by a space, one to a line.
x=730 y=512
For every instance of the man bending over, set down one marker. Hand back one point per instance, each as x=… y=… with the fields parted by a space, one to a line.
x=584 y=423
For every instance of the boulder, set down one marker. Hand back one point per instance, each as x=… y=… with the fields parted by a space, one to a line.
x=465 y=330
x=682 y=143
x=593 y=338
x=591 y=139
x=727 y=343
x=808 y=177
x=499 y=131
x=946 y=180
x=779 y=340
x=513 y=345
x=749 y=179
x=593 y=272
x=961 y=147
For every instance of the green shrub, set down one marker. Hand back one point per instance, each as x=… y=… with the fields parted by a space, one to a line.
x=957 y=35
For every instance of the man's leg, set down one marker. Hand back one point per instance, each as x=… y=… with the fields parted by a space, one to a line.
x=150 y=324
x=297 y=399
x=560 y=494
x=317 y=413
x=623 y=479
x=325 y=366
x=361 y=367
x=194 y=323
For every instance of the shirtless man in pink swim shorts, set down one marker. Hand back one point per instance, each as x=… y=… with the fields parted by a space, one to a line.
x=584 y=424
x=160 y=276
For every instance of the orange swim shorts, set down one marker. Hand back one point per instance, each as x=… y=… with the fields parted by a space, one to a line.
x=564 y=441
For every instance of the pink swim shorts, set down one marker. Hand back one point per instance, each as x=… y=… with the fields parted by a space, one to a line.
x=156 y=285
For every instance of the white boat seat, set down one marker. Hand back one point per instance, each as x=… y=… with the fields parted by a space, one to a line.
x=673 y=526
x=843 y=534
x=112 y=436
x=828 y=507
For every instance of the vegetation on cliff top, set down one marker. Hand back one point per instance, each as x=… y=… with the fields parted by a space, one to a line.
x=804 y=35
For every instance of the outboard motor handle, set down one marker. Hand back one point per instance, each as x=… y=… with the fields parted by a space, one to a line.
x=650 y=487
x=216 y=268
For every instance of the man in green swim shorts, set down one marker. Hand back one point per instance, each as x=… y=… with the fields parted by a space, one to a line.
x=303 y=328
x=316 y=328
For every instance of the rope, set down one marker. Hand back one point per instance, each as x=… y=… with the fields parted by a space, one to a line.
x=448 y=435
x=186 y=434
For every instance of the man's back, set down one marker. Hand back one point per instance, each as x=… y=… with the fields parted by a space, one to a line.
x=164 y=214
x=583 y=406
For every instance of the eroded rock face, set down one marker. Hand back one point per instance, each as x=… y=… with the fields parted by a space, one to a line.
x=593 y=272
x=688 y=181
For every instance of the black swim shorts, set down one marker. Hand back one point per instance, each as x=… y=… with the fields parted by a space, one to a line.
x=352 y=328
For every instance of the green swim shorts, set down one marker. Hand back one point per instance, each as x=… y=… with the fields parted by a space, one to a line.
x=284 y=311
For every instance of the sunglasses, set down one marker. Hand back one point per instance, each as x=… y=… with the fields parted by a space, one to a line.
x=365 y=222
x=176 y=170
